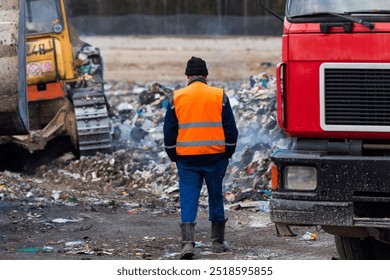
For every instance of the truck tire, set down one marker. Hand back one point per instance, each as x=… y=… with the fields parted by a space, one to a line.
x=354 y=248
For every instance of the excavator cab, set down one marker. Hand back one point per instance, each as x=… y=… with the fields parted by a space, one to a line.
x=43 y=16
x=50 y=56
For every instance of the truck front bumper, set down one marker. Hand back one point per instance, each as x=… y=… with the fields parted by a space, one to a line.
x=352 y=191
x=295 y=212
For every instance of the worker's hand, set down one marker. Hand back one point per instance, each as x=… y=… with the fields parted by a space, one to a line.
x=229 y=151
x=173 y=158
x=228 y=154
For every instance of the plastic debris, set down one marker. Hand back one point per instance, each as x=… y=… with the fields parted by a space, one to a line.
x=74 y=243
x=199 y=244
x=28 y=250
x=45 y=249
x=262 y=206
x=85 y=60
x=308 y=236
x=48 y=249
x=149 y=238
x=171 y=255
x=230 y=197
x=64 y=221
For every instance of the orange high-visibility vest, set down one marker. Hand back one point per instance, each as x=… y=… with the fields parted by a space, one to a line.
x=198 y=109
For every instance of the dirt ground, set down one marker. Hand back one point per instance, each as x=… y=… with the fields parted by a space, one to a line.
x=148 y=59
x=114 y=234
x=81 y=228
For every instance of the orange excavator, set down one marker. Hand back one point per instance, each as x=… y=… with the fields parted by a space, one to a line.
x=51 y=82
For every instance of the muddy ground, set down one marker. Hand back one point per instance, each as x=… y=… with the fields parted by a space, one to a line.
x=56 y=207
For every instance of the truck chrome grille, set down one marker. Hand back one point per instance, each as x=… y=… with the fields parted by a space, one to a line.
x=355 y=97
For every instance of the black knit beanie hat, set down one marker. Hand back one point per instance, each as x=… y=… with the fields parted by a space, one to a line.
x=196 y=67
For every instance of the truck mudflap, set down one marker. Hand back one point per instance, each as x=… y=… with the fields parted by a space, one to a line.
x=351 y=191
x=13 y=92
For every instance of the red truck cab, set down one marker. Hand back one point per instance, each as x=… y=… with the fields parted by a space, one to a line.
x=333 y=98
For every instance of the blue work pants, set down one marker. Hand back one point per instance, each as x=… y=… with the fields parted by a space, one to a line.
x=190 y=185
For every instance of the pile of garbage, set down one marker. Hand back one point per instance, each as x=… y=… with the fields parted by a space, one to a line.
x=139 y=118
x=139 y=173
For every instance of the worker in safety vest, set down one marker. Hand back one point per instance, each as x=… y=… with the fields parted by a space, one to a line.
x=200 y=135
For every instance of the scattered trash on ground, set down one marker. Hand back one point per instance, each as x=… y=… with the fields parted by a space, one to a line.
x=308 y=236
x=140 y=166
x=139 y=177
x=64 y=221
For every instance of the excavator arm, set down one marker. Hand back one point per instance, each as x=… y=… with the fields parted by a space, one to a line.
x=13 y=92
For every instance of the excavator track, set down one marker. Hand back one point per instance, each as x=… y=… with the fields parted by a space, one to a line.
x=93 y=122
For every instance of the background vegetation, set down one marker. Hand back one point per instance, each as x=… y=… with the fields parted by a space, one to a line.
x=172 y=7
x=176 y=17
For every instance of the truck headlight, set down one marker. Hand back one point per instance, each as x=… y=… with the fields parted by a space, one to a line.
x=301 y=178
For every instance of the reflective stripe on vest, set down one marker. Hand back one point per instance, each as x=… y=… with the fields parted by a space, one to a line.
x=198 y=109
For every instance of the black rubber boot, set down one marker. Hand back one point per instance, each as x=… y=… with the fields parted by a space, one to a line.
x=218 y=244
x=188 y=240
